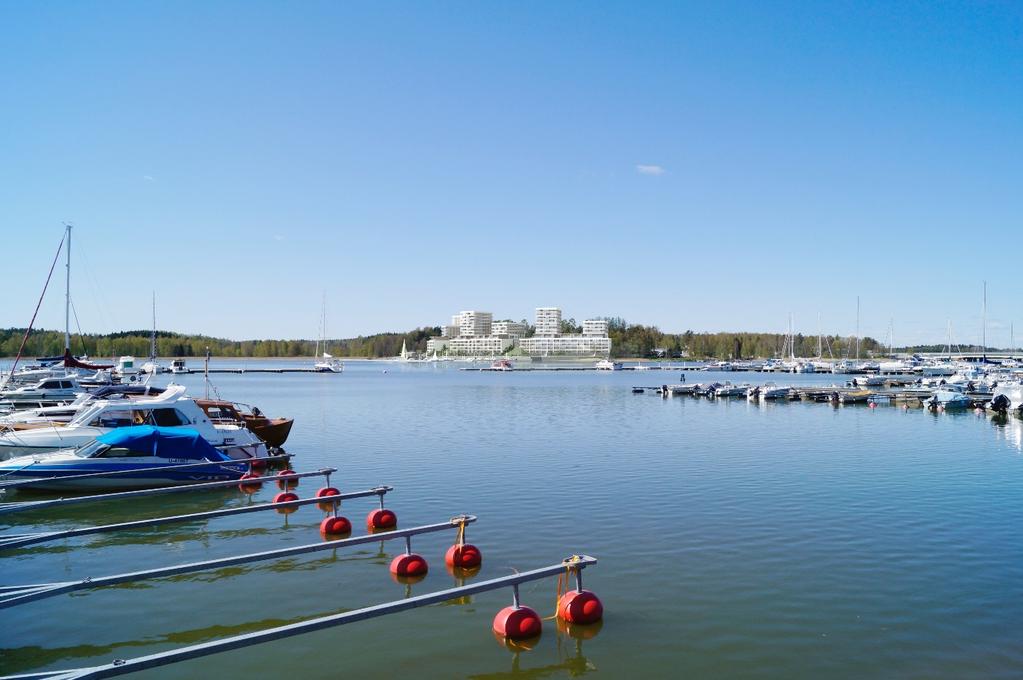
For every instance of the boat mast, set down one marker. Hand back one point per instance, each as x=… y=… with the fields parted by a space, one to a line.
x=67 y=294
x=152 y=335
x=983 y=333
x=792 y=340
x=820 y=338
x=857 y=328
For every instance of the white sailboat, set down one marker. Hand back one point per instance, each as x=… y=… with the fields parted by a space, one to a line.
x=327 y=363
x=151 y=366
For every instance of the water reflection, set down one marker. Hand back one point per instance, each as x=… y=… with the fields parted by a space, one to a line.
x=571 y=661
x=1009 y=427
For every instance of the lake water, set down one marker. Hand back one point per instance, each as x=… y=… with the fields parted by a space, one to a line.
x=787 y=540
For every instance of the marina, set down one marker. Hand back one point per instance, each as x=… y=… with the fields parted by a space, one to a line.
x=511 y=341
x=698 y=440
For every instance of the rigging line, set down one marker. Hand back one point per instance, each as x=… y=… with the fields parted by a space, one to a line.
x=97 y=291
x=81 y=337
x=31 y=323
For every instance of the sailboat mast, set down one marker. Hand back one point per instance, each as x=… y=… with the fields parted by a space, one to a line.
x=67 y=294
x=152 y=335
x=983 y=333
x=857 y=328
x=820 y=338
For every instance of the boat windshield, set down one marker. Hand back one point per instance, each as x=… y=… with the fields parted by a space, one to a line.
x=91 y=449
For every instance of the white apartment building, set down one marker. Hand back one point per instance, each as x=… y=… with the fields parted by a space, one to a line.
x=451 y=331
x=472 y=345
x=595 y=327
x=508 y=329
x=566 y=345
x=474 y=324
x=548 y=321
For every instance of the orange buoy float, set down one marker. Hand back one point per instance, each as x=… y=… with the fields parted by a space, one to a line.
x=409 y=564
x=326 y=492
x=287 y=483
x=580 y=606
x=381 y=518
x=464 y=556
x=249 y=487
x=284 y=497
x=517 y=623
x=335 y=526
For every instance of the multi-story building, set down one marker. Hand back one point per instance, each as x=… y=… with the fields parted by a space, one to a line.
x=548 y=321
x=475 y=324
x=508 y=329
x=474 y=333
x=566 y=345
x=489 y=345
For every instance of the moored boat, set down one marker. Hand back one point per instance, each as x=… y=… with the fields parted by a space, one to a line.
x=273 y=431
x=152 y=451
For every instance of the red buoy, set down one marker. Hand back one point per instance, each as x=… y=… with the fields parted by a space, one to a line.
x=409 y=564
x=287 y=483
x=580 y=606
x=517 y=623
x=250 y=487
x=326 y=492
x=335 y=526
x=381 y=519
x=283 y=497
x=465 y=556
x=258 y=464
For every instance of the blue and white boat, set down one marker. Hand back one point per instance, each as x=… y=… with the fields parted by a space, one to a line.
x=157 y=453
x=948 y=397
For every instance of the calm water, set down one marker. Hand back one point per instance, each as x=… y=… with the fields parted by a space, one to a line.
x=735 y=540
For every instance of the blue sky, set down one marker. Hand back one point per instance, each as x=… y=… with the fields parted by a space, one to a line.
x=706 y=166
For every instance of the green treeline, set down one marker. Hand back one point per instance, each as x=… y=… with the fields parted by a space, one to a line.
x=136 y=343
x=635 y=340
x=627 y=340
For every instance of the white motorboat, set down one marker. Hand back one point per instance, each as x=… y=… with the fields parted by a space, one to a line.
x=125 y=366
x=178 y=366
x=502 y=365
x=49 y=391
x=948 y=397
x=1008 y=396
x=156 y=453
x=608 y=365
x=25 y=419
x=729 y=390
x=170 y=409
x=766 y=392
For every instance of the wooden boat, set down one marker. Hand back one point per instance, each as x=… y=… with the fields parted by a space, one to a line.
x=273 y=431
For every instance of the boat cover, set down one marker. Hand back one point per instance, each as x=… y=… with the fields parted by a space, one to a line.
x=164 y=442
x=72 y=362
x=117 y=390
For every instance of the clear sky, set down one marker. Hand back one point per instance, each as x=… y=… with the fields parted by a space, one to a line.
x=705 y=166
